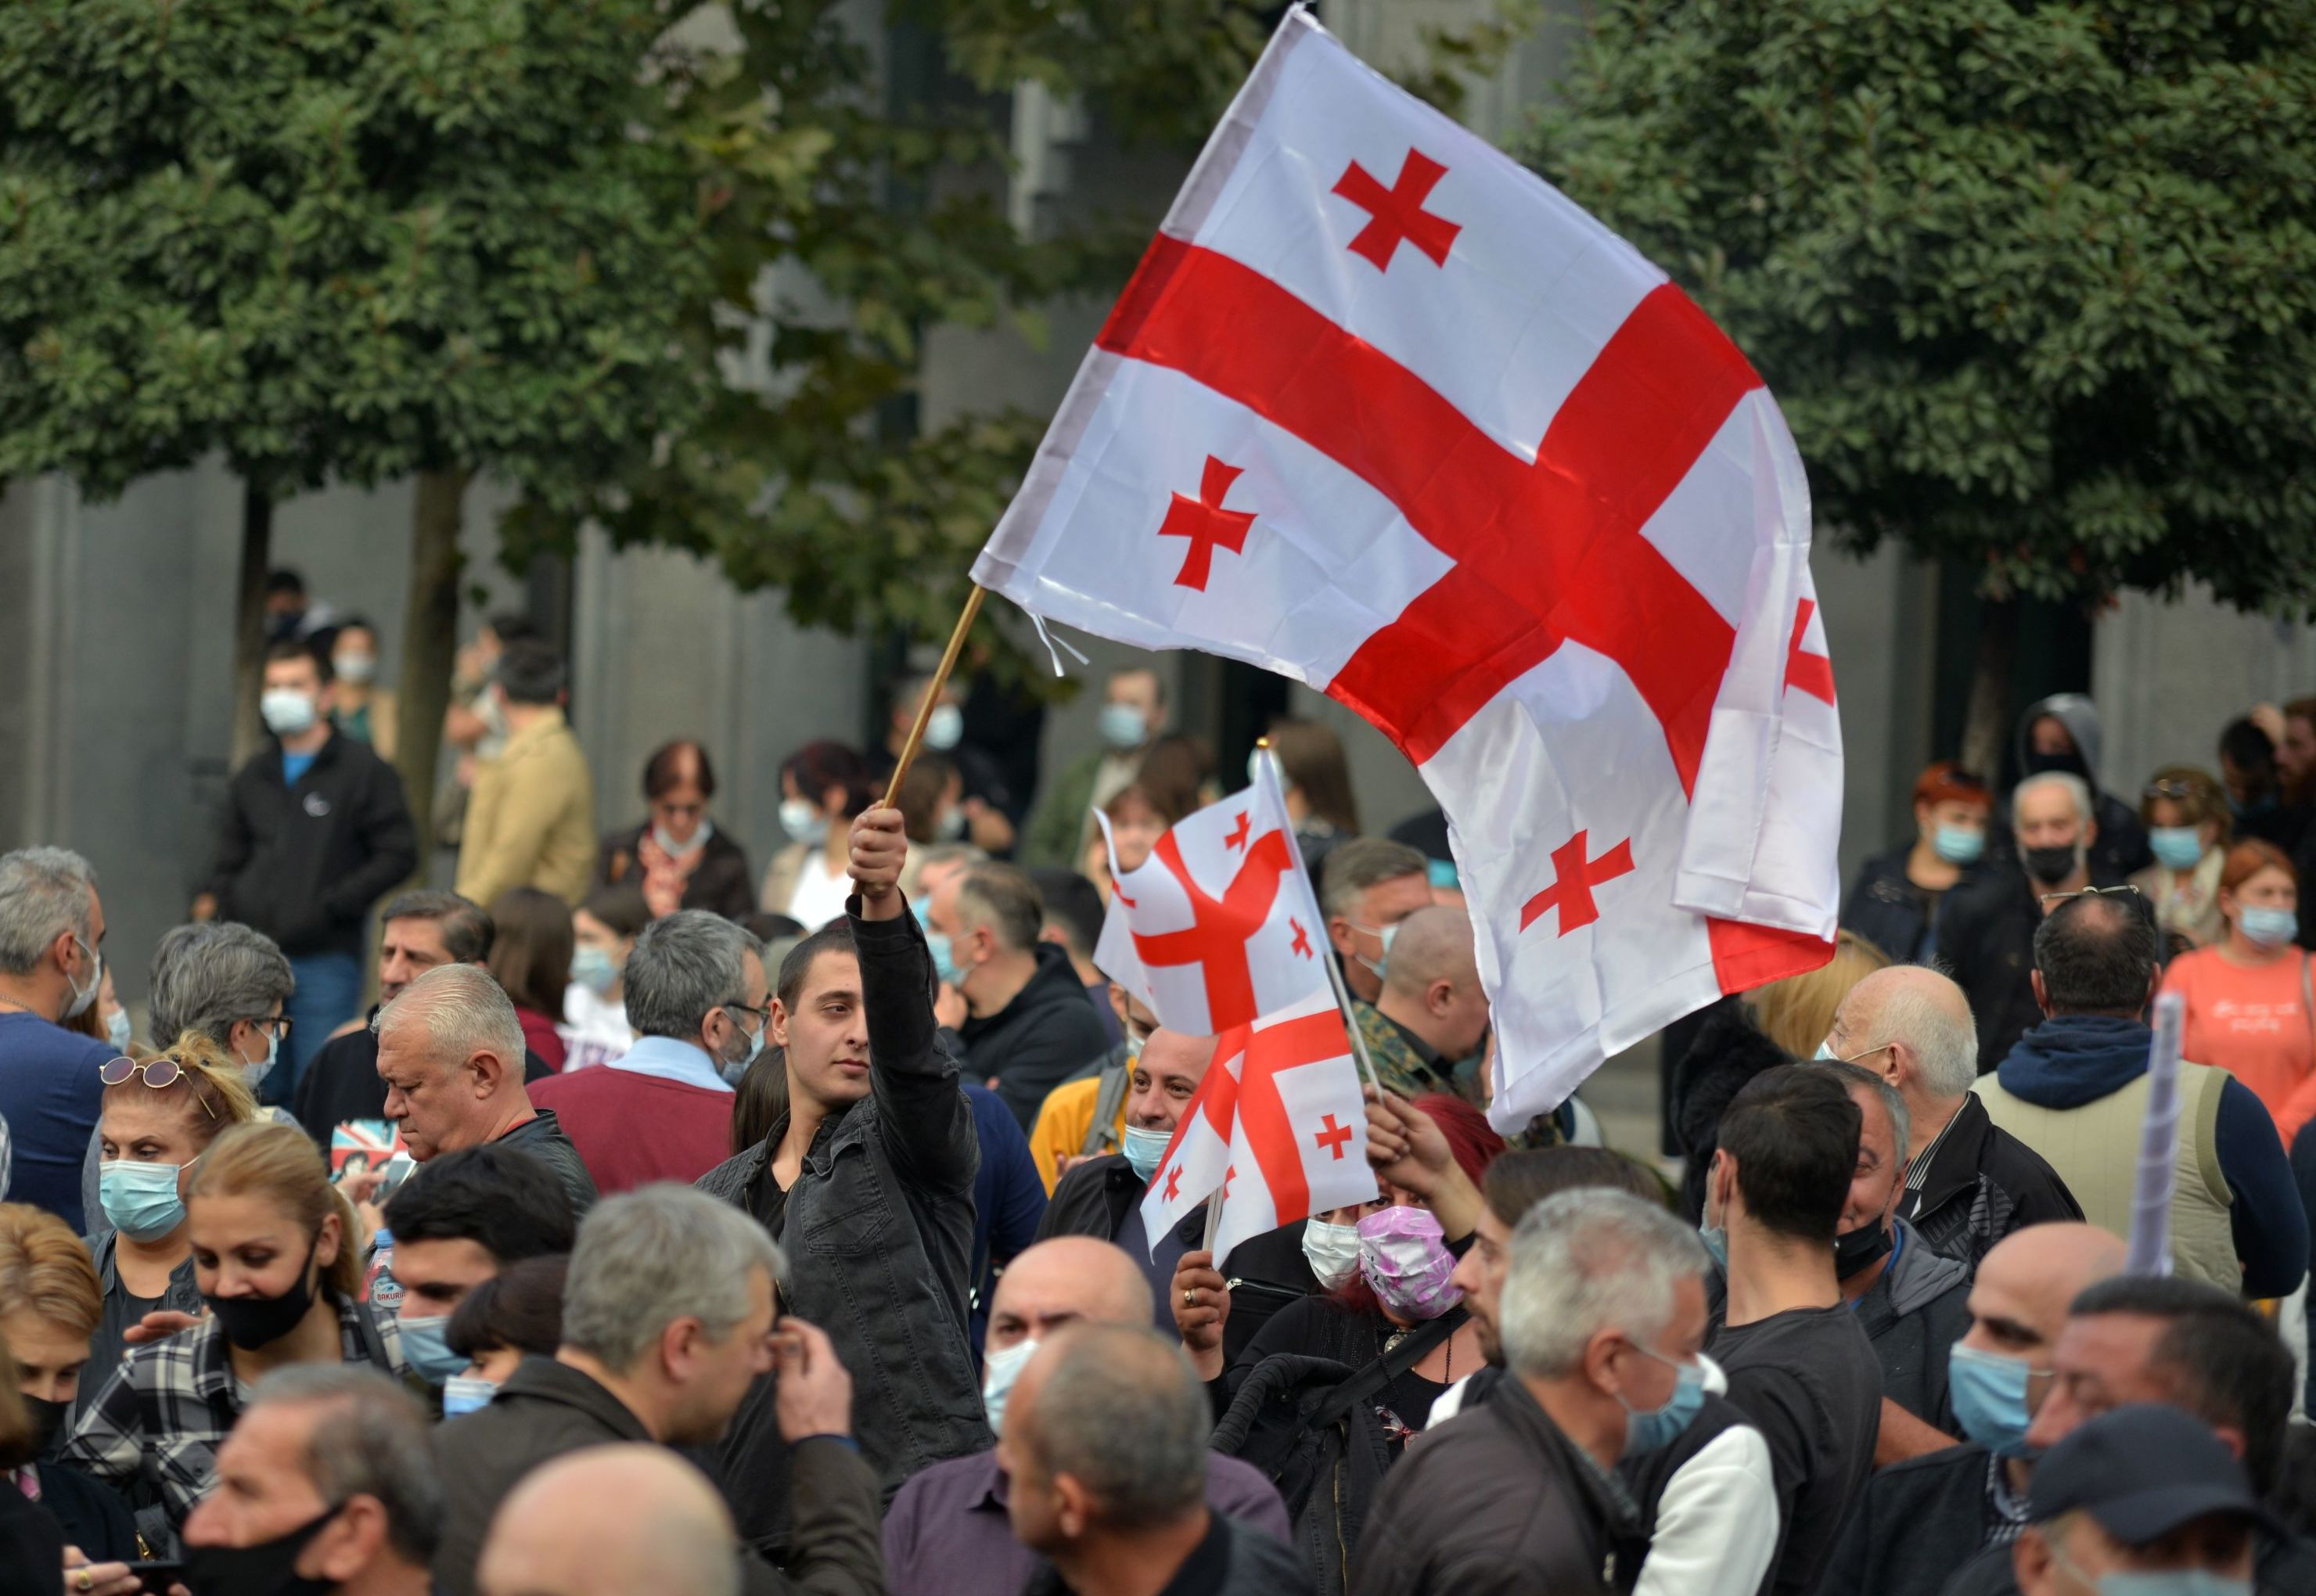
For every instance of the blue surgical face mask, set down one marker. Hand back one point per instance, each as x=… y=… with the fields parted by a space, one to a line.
x=1000 y=1367
x=254 y=1071
x=675 y=850
x=1989 y=1393
x=801 y=821
x=733 y=1069
x=2169 y=1582
x=1958 y=844
x=141 y=1198
x=2266 y=928
x=592 y=968
x=1648 y=1429
x=1717 y=1242
x=1383 y=934
x=2175 y=847
x=425 y=1349
x=944 y=958
x=1124 y=726
x=1145 y=1150
x=463 y=1394
x=117 y=1031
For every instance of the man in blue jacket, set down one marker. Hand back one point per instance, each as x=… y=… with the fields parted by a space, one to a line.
x=2075 y=1089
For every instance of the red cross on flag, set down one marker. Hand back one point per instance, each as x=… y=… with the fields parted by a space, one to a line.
x=1277 y=1127
x=1384 y=412
x=1218 y=925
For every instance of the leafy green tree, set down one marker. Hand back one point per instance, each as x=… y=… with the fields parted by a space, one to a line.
x=2036 y=285
x=350 y=240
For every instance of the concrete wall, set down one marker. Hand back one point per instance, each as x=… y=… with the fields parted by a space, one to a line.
x=2168 y=674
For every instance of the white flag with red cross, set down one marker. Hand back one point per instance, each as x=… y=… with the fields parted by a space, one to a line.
x=1384 y=412
x=1217 y=926
x=1277 y=1127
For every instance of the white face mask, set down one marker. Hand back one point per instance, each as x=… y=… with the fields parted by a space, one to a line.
x=356 y=668
x=254 y=1071
x=801 y=821
x=287 y=712
x=1332 y=1251
x=944 y=727
x=82 y=997
x=1003 y=1366
x=116 y=1030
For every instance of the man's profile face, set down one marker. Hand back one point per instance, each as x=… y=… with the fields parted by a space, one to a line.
x=437 y=1109
x=2101 y=1361
x=262 y=1492
x=1480 y=1274
x=435 y=1275
x=826 y=1034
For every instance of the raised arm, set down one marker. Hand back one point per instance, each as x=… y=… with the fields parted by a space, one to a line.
x=925 y=1121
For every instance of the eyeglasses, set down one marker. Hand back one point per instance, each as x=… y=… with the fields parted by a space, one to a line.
x=763 y=1013
x=270 y=1021
x=2169 y=789
x=2096 y=893
x=157 y=1074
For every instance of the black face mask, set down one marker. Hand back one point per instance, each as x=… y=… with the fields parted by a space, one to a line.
x=2065 y=764
x=47 y=1422
x=250 y=1322
x=1861 y=1248
x=2050 y=866
x=269 y=1568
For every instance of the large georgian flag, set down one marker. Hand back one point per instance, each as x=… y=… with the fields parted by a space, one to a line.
x=1277 y=1127
x=1385 y=412
x=1218 y=925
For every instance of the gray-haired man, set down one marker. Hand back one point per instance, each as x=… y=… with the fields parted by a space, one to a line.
x=450 y=1054
x=668 y=1317
x=696 y=997
x=1602 y=1322
x=51 y=925
x=326 y=1478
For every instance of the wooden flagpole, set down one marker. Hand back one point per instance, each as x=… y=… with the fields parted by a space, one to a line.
x=933 y=693
x=1311 y=894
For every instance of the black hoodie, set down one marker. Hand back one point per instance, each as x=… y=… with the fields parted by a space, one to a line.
x=1046 y=1034
x=304 y=864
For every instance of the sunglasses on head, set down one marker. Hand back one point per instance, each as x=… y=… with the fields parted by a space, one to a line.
x=158 y=1073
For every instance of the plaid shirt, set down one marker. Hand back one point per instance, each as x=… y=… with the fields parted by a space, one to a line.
x=163 y=1411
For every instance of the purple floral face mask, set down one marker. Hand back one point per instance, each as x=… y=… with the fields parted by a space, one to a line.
x=1404 y=1258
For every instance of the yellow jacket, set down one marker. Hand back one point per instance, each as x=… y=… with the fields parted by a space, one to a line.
x=1065 y=1121
x=531 y=820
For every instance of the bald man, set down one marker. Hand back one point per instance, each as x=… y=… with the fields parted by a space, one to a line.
x=1428 y=1031
x=1969 y=1183
x=610 y=1521
x=1924 y=1517
x=946 y=1533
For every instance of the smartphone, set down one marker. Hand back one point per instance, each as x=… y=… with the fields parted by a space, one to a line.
x=155 y=1578
x=392 y=1174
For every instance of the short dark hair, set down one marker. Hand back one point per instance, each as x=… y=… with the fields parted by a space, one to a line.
x=467 y=933
x=530 y=673
x=1794 y=1134
x=301 y=648
x=820 y=765
x=2246 y=746
x=505 y=1199
x=667 y=764
x=836 y=937
x=1364 y=862
x=1520 y=1179
x=2097 y=954
x=512 y=626
x=1008 y=901
x=282 y=579
x=1072 y=905
x=620 y=907
x=2224 y=1361
x=519 y=1308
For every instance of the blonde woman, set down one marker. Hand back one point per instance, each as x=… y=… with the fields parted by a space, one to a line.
x=158 y=1116
x=276 y=1257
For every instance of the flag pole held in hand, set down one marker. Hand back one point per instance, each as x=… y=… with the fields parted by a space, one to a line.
x=2158 y=1147
x=932 y=694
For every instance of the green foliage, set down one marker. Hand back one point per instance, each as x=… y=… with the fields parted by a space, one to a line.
x=2033 y=283
x=349 y=238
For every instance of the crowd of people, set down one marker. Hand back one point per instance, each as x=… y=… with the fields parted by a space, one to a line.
x=666 y=1226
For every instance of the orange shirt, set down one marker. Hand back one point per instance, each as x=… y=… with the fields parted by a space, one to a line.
x=2250 y=1021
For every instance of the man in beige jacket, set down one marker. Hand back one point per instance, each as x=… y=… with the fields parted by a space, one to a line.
x=530 y=821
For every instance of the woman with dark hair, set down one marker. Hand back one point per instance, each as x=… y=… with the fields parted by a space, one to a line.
x=517 y=1313
x=2188 y=830
x=1384 y=1265
x=825 y=785
x=760 y=1100
x=530 y=958
x=1179 y=774
x=1318 y=783
x=603 y=933
x=677 y=856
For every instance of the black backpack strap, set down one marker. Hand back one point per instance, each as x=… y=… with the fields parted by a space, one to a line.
x=1388 y=1368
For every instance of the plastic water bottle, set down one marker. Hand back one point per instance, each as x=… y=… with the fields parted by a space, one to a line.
x=380 y=1289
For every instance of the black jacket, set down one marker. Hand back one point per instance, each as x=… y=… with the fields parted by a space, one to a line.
x=547 y=1409
x=2281 y=1566
x=340 y=1083
x=879 y=1226
x=1913 y=1314
x=1234 y=1559
x=1888 y=910
x=541 y=1135
x=1045 y=1035
x=1498 y=1500
x=1986 y=937
x=1921 y=1520
x=305 y=866
x=1266 y=1272
x=90 y=1512
x=1982 y=1184
x=720 y=883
